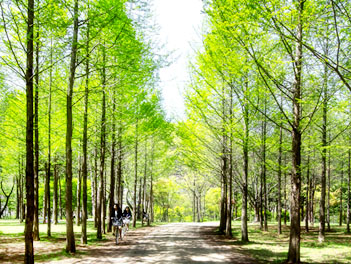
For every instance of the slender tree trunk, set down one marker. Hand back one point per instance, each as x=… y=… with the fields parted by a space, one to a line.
x=79 y=192
x=70 y=240
x=135 y=174
x=140 y=214
x=194 y=200
x=294 y=241
x=96 y=189
x=244 y=229
x=55 y=201
x=143 y=207
x=341 y=183
x=36 y=236
x=47 y=198
x=312 y=191
x=104 y=203
x=119 y=167
x=224 y=169
x=84 y=238
x=285 y=200
x=100 y=206
x=60 y=197
x=228 y=230
x=29 y=250
x=113 y=154
x=48 y=175
x=280 y=179
x=18 y=198
x=264 y=168
x=307 y=194
x=151 y=218
x=328 y=202
x=321 y=235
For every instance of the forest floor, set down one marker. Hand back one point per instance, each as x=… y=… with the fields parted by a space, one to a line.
x=175 y=243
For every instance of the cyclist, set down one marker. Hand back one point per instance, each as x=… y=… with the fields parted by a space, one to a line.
x=117 y=215
x=127 y=216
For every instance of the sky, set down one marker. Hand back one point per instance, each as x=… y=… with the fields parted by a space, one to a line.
x=180 y=23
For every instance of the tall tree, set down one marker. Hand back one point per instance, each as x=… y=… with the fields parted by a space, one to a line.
x=29 y=250
x=70 y=240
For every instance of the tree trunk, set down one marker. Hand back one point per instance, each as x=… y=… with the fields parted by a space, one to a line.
x=244 y=229
x=280 y=180
x=140 y=214
x=328 y=202
x=96 y=188
x=79 y=192
x=29 y=250
x=49 y=150
x=119 y=167
x=100 y=206
x=47 y=198
x=264 y=134
x=135 y=174
x=55 y=201
x=341 y=183
x=112 y=175
x=60 y=197
x=307 y=194
x=321 y=235
x=70 y=240
x=143 y=205
x=228 y=230
x=294 y=241
x=84 y=239
x=36 y=235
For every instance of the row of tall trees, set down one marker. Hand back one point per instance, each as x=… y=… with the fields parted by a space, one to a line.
x=94 y=119
x=268 y=111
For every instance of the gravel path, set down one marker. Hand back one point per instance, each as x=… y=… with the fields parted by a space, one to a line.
x=171 y=243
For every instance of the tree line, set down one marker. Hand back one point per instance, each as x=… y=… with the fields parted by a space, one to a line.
x=268 y=114
x=82 y=123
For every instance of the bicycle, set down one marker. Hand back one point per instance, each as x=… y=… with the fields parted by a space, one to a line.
x=118 y=223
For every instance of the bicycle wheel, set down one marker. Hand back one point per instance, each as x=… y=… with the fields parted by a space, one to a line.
x=117 y=235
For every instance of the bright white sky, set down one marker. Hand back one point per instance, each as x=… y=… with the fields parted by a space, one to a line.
x=180 y=24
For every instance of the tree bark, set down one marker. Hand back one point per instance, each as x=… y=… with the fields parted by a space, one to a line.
x=328 y=202
x=100 y=206
x=70 y=240
x=84 y=238
x=280 y=180
x=244 y=229
x=36 y=235
x=29 y=250
x=264 y=170
x=321 y=235
x=307 y=194
x=79 y=192
x=55 y=201
x=113 y=154
x=294 y=240
x=48 y=175
x=341 y=183
x=135 y=173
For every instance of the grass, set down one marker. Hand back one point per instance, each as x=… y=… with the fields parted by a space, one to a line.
x=48 y=248
x=269 y=247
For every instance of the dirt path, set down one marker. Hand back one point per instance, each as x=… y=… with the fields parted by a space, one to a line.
x=171 y=243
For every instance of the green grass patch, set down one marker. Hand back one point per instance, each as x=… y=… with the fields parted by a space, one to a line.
x=271 y=247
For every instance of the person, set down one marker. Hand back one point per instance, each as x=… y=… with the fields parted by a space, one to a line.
x=127 y=215
x=117 y=214
x=145 y=216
